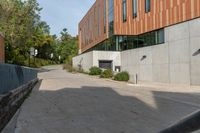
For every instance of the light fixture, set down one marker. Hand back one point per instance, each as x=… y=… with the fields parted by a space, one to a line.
x=143 y=57
x=196 y=53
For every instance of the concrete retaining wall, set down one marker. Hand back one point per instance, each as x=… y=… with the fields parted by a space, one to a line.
x=83 y=60
x=2 y=52
x=175 y=62
x=87 y=60
x=12 y=76
x=11 y=101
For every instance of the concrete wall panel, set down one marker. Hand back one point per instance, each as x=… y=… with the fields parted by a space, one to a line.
x=178 y=32
x=90 y=59
x=107 y=55
x=195 y=60
x=179 y=51
x=145 y=73
x=147 y=51
x=195 y=74
x=160 y=73
x=194 y=28
x=85 y=60
x=180 y=74
x=160 y=54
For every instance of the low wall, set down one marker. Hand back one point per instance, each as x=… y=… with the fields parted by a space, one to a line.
x=15 y=84
x=11 y=101
x=2 y=52
x=12 y=76
x=85 y=60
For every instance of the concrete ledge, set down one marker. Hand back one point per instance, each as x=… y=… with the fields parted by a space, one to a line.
x=11 y=101
x=187 y=125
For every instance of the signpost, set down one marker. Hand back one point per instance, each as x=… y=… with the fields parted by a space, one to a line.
x=33 y=53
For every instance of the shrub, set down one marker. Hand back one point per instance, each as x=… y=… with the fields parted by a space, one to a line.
x=67 y=66
x=107 y=74
x=122 y=76
x=95 y=71
x=71 y=69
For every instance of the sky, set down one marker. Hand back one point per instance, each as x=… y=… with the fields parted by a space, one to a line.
x=60 y=14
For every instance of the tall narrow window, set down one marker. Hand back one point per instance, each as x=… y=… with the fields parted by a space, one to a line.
x=105 y=3
x=147 y=5
x=124 y=10
x=111 y=17
x=134 y=8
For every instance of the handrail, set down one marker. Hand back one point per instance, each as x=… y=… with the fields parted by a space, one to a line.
x=188 y=124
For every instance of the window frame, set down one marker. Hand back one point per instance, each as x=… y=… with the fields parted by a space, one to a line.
x=124 y=10
x=147 y=6
x=105 y=13
x=134 y=4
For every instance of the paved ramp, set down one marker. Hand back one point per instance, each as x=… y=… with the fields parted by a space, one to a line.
x=74 y=103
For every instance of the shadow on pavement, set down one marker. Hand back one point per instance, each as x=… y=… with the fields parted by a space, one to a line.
x=103 y=110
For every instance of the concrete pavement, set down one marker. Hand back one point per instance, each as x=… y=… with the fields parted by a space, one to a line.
x=75 y=103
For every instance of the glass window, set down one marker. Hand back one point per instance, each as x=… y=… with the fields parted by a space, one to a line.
x=160 y=36
x=134 y=8
x=141 y=41
x=118 y=43
x=124 y=10
x=111 y=17
x=105 y=16
x=147 y=5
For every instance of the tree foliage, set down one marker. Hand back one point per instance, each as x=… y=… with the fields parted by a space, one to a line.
x=22 y=28
x=68 y=47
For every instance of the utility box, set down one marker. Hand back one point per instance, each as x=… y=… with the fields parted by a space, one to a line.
x=2 y=49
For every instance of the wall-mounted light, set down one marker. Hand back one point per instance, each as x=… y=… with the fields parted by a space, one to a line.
x=196 y=53
x=143 y=57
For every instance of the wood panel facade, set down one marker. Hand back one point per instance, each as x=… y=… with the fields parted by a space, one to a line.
x=162 y=13
x=91 y=27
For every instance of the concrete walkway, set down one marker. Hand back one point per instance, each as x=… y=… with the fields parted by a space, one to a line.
x=75 y=103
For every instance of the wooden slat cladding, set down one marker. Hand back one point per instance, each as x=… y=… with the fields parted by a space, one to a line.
x=163 y=13
x=91 y=27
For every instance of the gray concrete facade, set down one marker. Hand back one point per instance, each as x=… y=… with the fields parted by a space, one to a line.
x=177 y=61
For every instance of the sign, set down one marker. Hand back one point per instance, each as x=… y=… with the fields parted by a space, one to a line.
x=32 y=51
x=36 y=52
x=51 y=55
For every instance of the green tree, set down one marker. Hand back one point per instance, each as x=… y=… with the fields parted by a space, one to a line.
x=21 y=25
x=68 y=47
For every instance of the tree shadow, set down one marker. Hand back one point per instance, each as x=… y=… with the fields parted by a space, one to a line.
x=104 y=110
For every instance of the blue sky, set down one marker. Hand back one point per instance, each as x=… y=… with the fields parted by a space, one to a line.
x=61 y=14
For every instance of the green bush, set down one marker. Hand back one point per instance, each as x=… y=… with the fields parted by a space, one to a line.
x=122 y=76
x=37 y=62
x=95 y=71
x=71 y=69
x=107 y=74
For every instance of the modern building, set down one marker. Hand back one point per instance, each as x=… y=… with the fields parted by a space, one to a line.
x=2 y=53
x=154 y=40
